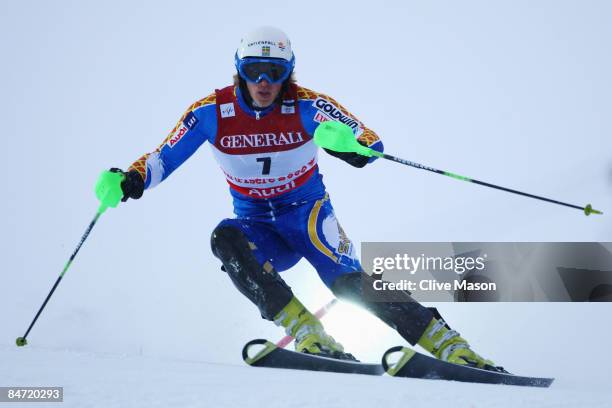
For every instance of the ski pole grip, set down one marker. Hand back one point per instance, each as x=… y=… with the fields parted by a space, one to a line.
x=339 y=137
x=108 y=189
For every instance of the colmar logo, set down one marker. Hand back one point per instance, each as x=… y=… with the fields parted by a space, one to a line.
x=287 y=109
x=288 y=106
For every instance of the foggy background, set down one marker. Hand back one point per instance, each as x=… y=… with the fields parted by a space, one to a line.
x=515 y=93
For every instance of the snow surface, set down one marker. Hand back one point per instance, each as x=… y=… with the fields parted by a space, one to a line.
x=110 y=380
x=515 y=93
x=570 y=346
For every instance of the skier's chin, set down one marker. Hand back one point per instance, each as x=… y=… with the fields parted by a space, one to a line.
x=264 y=99
x=263 y=93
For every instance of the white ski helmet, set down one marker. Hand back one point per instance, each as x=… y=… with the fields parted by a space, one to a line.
x=265 y=42
x=265 y=54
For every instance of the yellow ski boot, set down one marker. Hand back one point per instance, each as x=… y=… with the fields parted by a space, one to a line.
x=447 y=345
x=310 y=337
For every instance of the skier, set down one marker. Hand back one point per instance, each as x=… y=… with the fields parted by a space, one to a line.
x=261 y=133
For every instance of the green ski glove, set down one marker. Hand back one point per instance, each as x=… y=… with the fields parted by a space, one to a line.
x=114 y=185
x=339 y=137
x=108 y=188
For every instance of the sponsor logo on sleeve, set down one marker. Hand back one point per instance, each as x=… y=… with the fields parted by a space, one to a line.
x=332 y=112
x=177 y=135
x=190 y=120
x=320 y=117
x=227 y=110
x=188 y=123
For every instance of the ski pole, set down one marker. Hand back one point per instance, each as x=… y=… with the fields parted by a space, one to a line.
x=109 y=195
x=319 y=314
x=339 y=137
x=588 y=209
x=21 y=341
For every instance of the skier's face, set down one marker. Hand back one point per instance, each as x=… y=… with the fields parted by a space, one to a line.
x=263 y=93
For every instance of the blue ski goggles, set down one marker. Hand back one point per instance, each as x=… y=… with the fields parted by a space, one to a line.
x=273 y=70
